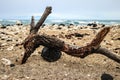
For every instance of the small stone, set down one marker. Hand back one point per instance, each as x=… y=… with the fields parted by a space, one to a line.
x=10 y=48
x=50 y=55
x=106 y=77
x=27 y=77
x=64 y=64
x=18 y=22
x=117 y=67
x=5 y=77
x=9 y=39
x=4 y=44
x=6 y=61
x=12 y=65
x=88 y=75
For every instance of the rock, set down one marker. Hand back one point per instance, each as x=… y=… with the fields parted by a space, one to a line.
x=5 y=77
x=12 y=65
x=103 y=25
x=92 y=24
x=78 y=35
x=3 y=27
x=53 y=24
x=6 y=61
x=3 y=44
x=61 y=36
x=50 y=55
x=8 y=39
x=10 y=48
x=0 y=44
x=68 y=36
x=15 y=33
x=117 y=49
x=117 y=67
x=116 y=38
x=59 y=27
x=61 y=24
x=88 y=75
x=18 y=23
x=106 y=77
x=108 y=43
x=3 y=33
x=70 y=27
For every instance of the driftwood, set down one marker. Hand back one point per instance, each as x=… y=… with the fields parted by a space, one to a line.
x=34 y=40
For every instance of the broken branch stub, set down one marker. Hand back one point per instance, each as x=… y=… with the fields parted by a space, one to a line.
x=32 y=25
x=42 y=19
x=99 y=37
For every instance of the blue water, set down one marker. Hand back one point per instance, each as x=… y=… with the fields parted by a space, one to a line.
x=63 y=21
x=81 y=22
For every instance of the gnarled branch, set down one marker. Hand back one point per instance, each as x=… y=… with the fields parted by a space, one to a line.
x=34 y=40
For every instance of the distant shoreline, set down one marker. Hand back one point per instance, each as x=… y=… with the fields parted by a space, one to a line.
x=61 y=21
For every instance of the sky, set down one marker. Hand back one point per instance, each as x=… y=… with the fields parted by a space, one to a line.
x=71 y=9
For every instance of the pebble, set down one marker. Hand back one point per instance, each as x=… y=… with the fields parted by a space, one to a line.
x=88 y=75
x=9 y=39
x=12 y=65
x=5 y=77
x=4 y=44
x=6 y=61
x=10 y=48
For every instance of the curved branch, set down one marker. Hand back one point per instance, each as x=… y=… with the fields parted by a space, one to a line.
x=86 y=50
x=108 y=54
x=99 y=37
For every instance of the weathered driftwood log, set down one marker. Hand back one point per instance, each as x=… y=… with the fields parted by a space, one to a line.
x=34 y=40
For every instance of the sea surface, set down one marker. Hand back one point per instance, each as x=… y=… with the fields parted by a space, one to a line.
x=61 y=21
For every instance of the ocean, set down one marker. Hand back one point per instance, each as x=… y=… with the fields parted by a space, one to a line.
x=61 y=21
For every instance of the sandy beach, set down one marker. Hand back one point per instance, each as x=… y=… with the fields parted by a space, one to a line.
x=93 y=67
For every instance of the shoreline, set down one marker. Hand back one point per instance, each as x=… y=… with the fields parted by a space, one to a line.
x=67 y=22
